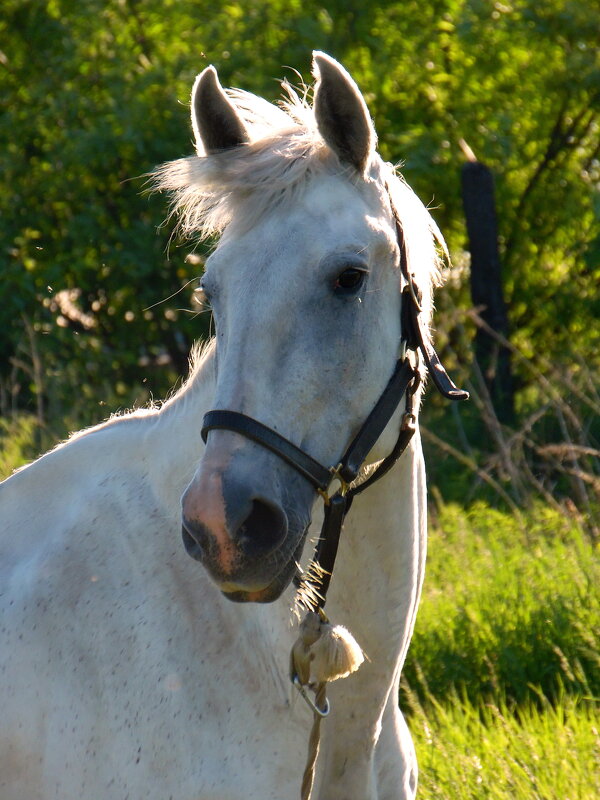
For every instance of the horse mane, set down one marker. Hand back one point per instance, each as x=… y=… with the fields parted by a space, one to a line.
x=285 y=150
x=198 y=359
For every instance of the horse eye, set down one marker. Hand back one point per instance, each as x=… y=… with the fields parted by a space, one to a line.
x=351 y=278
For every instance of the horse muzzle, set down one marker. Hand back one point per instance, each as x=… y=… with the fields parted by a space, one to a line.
x=235 y=524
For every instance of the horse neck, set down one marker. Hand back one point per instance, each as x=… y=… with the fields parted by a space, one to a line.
x=377 y=579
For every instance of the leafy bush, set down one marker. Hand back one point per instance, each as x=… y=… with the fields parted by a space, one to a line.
x=19 y=442
x=95 y=94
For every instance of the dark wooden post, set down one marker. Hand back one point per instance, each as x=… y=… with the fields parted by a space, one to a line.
x=486 y=285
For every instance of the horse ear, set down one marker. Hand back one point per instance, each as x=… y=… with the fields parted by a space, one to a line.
x=341 y=113
x=217 y=125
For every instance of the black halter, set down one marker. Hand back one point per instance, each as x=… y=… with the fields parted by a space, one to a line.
x=403 y=383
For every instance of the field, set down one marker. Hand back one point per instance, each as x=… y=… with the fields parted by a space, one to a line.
x=503 y=677
x=502 y=682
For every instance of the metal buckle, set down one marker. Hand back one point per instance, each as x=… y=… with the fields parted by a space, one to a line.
x=414 y=292
x=322 y=712
x=341 y=487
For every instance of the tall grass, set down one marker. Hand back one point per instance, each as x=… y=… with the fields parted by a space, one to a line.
x=19 y=435
x=550 y=450
x=472 y=752
x=502 y=681
x=511 y=607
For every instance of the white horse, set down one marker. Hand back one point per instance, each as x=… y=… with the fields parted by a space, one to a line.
x=126 y=671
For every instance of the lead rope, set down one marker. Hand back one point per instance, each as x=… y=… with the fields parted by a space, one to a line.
x=322 y=653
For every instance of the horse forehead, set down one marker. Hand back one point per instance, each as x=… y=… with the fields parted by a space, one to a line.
x=333 y=212
x=332 y=196
x=330 y=214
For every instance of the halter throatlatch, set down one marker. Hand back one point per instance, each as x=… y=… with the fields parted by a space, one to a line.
x=330 y=647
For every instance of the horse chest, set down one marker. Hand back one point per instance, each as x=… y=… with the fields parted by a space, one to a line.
x=125 y=689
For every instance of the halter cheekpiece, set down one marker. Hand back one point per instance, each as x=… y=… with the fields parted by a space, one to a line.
x=403 y=383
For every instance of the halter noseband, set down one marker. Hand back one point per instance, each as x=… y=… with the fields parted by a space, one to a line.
x=404 y=382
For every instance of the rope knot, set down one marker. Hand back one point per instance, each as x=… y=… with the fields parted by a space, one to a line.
x=322 y=652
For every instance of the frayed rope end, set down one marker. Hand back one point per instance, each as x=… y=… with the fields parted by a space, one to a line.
x=324 y=652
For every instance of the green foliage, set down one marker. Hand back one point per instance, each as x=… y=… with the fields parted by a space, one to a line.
x=89 y=105
x=510 y=610
x=19 y=443
x=95 y=95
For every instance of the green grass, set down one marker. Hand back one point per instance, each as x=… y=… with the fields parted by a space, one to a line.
x=510 y=608
x=470 y=753
x=18 y=442
x=503 y=677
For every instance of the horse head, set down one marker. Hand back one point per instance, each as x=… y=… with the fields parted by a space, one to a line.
x=305 y=288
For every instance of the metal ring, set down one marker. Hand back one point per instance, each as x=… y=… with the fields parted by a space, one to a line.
x=402 y=350
x=322 y=712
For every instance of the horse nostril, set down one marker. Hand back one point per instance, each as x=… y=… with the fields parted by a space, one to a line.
x=195 y=539
x=263 y=530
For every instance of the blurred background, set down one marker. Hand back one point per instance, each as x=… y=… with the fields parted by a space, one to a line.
x=493 y=109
